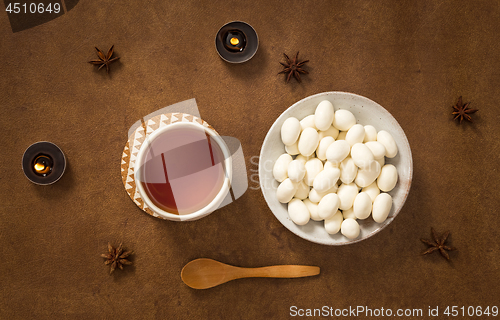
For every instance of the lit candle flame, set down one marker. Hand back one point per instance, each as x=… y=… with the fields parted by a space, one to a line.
x=234 y=41
x=42 y=165
x=39 y=167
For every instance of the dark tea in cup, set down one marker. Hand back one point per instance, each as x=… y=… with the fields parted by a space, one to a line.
x=182 y=169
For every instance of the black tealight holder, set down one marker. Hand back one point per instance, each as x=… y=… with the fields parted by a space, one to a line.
x=43 y=163
x=236 y=42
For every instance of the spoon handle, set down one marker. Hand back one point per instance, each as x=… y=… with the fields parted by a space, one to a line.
x=285 y=271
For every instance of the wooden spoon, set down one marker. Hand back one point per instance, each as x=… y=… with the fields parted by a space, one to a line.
x=207 y=273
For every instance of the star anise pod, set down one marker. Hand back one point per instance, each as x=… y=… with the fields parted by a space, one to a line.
x=293 y=67
x=116 y=257
x=104 y=59
x=438 y=244
x=462 y=111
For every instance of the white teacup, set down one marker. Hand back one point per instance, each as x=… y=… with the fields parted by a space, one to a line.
x=140 y=174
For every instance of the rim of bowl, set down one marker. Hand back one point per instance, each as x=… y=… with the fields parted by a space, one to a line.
x=406 y=191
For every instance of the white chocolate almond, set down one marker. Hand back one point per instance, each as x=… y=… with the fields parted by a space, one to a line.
x=323 y=146
x=280 y=168
x=296 y=170
x=370 y=133
x=372 y=190
x=361 y=155
x=343 y=120
x=338 y=151
x=381 y=207
x=349 y=214
x=298 y=212
x=329 y=205
x=347 y=193
x=302 y=191
x=367 y=176
x=323 y=116
x=293 y=149
x=385 y=138
x=362 y=205
x=286 y=190
x=376 y=148
x=326 y=179
x=355 y=134
x=388 y=178
x=330 y=132
x=313 y=168
x=308 y=141
x=313 y=209
x=350 y=228
x=290 y=131
x=348 y=170
x=307 y=122
x=333 y=224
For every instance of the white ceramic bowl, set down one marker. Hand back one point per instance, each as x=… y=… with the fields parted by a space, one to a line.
x=366 y=112
x=219 y=198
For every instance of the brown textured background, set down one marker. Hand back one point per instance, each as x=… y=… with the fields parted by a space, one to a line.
x=415 y=58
